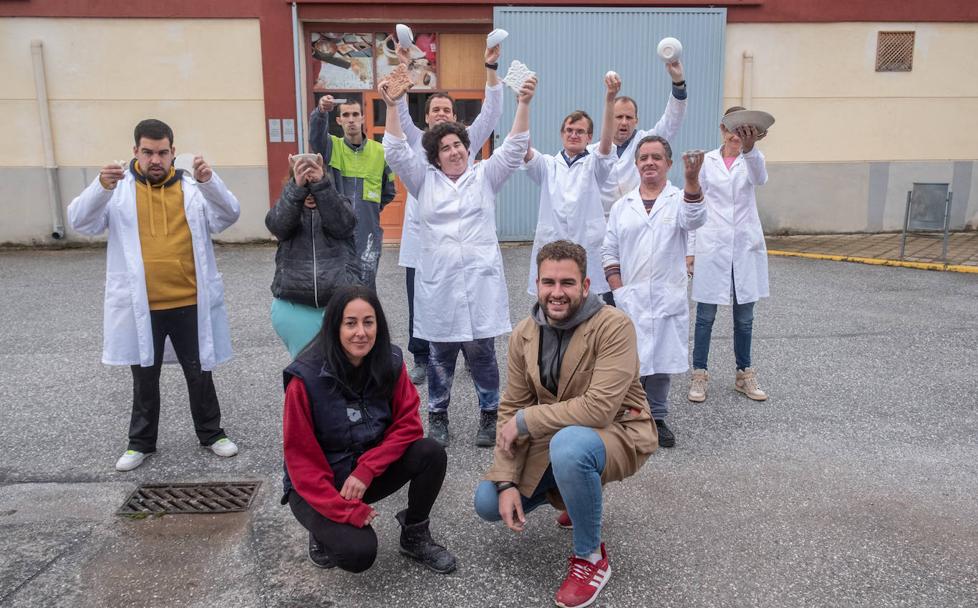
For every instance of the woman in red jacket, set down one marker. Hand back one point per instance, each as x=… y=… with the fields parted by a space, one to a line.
x=353 y=436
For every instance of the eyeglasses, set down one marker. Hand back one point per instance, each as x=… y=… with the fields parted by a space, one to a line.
x=578 y=132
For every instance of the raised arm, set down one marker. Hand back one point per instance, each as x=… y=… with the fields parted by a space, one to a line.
x=511 y=155
x=612 y=83
x=672 y=117
x=397 y=150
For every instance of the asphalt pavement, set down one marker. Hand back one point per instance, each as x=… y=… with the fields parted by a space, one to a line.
x=855 y=484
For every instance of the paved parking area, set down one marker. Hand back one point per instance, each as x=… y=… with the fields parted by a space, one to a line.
x=854 y=485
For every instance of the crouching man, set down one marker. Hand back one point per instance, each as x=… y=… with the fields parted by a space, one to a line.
x=573 y=416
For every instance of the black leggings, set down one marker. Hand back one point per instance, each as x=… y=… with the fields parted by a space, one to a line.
x=354 y=549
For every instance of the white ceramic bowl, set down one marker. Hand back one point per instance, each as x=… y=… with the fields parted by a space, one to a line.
x=404 y=36
x=669 y=49
x=495 y=37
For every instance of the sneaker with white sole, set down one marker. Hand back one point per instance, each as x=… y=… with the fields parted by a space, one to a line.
x=584 y=581
x=130 y=460
x=224 y=447
x=697 y=386
x=747 y=384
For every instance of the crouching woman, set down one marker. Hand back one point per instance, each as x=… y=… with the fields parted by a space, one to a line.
x=352 y=436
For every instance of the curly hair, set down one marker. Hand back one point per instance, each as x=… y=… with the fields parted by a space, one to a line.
x=563 y=250
x=431 y=140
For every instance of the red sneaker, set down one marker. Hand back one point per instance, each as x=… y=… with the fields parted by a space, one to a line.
x=583 y=582
x=564 y=521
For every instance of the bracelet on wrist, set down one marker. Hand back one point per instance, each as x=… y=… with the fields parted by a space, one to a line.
x=492 y=66
x=502 y=486
x=681 y=83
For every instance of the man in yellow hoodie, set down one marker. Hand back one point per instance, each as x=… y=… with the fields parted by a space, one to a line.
x=162 y=280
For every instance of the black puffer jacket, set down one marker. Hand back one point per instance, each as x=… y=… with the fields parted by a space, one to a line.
x=313 y=243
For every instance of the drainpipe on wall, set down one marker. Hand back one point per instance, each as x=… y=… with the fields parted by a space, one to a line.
x=50 y=167
x=747 y=82
x=299 y=134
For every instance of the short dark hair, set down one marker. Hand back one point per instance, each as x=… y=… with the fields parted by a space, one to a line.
x=379 y=362
x=629 y=100
x=351 y=102
x=431 y=140
x=152 y=129
x=427 y=103
x=563 y=250
x=652 y=138
x=575 y=116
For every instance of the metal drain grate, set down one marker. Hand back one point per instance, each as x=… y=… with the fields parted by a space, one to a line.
x=214 y=497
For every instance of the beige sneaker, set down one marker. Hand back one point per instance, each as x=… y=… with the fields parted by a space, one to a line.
x=697 y=387
x=747 y=384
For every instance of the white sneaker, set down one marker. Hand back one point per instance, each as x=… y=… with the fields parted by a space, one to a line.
x=130 y=460
x=224 y=447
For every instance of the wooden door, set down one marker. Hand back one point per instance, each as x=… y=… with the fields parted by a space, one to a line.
x=467 y=103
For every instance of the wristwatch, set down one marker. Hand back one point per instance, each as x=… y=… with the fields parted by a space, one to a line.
x=492 y=66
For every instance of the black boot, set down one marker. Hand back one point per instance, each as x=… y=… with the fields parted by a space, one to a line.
x=416 y=543
x=486 y=436
x=438 y=427
x=317 y=555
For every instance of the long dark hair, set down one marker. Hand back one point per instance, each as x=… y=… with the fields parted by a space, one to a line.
x=378 y=364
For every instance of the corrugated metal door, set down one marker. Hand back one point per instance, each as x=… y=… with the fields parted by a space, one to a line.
x=572 y=48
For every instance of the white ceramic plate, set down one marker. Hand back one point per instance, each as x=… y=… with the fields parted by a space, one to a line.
x=754 y=118
x=669 y=49
x=495 y=37
x=404 y=36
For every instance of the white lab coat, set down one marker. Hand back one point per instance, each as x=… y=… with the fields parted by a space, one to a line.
x=127 y=332
x=459 y=285
x=480 y=130
x=732 y=238
x=651 y=250
x=570 y=208
x=624 y=177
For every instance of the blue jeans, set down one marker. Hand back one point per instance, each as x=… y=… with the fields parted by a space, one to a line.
x=657 y=394
x=743 y=322
x=481 y=355
x=577 y=459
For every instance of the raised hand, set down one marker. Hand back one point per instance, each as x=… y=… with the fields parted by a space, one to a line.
x=528 y=89
x=612 y=81
x=110 y=175
x=692 y=162
x=493 y=53
x=326 y=104
x=202 y=171
x=675 y=69
x=749 y=135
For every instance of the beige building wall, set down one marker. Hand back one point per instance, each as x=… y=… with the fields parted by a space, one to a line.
x=849 y=141
x=202 y=77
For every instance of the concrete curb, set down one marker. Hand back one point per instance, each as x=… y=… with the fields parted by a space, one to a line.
x=877 y=261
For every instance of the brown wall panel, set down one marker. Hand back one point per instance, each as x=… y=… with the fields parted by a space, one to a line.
x=462 y=57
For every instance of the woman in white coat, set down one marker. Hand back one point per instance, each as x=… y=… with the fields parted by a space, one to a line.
x=644 y=261
x=459 y=288
x=728 y=257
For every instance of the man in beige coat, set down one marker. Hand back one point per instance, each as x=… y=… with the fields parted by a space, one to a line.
x=573 y=416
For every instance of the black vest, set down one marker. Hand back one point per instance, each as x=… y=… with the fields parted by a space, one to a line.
x=346 y=423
